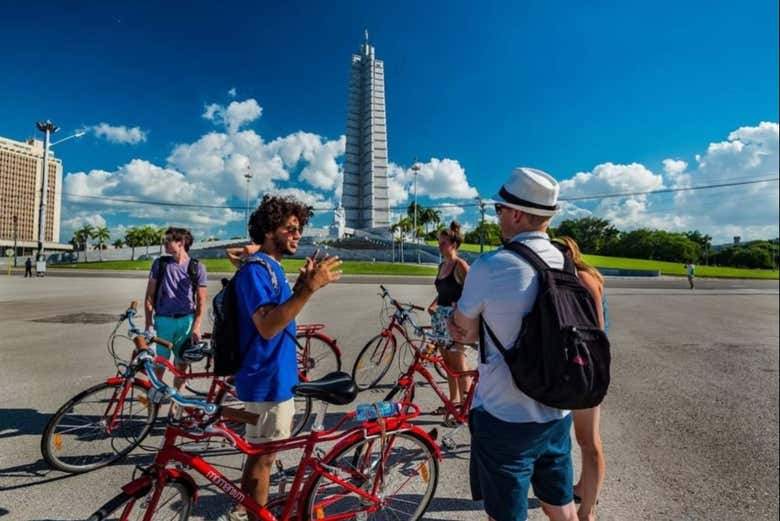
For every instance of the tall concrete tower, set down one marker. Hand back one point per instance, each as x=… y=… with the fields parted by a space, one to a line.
x=365 y=196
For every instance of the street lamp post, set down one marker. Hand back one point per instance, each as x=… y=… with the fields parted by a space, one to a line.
x=248 y=177
x=416 y=170
x=481 y=225
x=48 y=128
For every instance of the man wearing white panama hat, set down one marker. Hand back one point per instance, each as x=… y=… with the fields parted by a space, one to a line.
x=516 y=442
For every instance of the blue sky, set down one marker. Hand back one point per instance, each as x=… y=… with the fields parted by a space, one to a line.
x=621 y=93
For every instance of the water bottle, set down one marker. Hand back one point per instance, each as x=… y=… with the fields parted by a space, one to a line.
x=368 y=411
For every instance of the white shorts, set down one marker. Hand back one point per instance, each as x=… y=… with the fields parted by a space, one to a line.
x=275 y=421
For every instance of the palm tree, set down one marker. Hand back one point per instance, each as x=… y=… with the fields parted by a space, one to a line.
x=133 y=238
x=101 y=236
x=82 y=236
x=159 y=237
x=149 y=236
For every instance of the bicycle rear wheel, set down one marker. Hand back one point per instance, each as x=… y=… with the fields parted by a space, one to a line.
x=373 y=361
x=317 y=356
x=90 y=430
x=403 y=473
x=174 y=504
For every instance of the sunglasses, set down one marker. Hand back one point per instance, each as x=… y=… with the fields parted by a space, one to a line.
x=292 y=230
x=499 y=208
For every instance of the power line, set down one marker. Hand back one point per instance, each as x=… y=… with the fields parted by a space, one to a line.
x=669 y=190
x=439 y=206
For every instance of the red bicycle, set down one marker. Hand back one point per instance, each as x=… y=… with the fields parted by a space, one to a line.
x=385 y=468
x=376 y=357
x=105 y=422
x=425 y=354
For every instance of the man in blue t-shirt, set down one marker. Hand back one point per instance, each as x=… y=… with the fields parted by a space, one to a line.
x=267 y=308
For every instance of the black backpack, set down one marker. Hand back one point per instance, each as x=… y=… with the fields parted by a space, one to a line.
x=192 y=273
x=225 y=339
x=561 y=357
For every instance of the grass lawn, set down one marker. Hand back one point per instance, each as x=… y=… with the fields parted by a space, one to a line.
x=666 y=268
x=290 y=266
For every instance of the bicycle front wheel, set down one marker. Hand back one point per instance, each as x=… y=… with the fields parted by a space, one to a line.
x=317 y=356
x=174 y=504
x=373 y=361
x=98 y=426
x=402 y=473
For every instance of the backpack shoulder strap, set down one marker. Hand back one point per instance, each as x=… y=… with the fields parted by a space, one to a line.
x=529 y=255
x=193 y=271
x=483 y=326
x=536 y=261
x=271 y=273
x=568 y=264
x=162 y=263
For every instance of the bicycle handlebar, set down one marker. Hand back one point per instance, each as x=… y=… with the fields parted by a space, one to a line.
x=164 y=391
x=398 y=305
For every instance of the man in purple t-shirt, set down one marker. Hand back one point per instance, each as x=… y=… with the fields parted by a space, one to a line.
x=172 y=304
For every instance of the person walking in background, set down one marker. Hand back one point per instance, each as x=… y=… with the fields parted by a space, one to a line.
x=175 y=301
x=690 y=271
x=28 y=268
x=449 y=285
x=586 y=421
x=516 y=442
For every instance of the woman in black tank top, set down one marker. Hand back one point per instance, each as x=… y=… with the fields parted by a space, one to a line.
x=449 y=286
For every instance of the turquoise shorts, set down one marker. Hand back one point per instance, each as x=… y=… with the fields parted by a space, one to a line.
x=174 y=330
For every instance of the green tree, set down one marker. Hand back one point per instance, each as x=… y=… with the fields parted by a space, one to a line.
x=593 y=235
x=134 y=239
x=101 y=236
x=82 y=236
x=118 y=243
x=703 y=240
x=492 y=234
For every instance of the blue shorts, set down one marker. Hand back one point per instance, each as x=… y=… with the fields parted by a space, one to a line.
x=508 y=457
x=174 y=330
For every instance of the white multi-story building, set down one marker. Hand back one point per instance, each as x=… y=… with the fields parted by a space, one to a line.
x=21 y=171
x=365 y=196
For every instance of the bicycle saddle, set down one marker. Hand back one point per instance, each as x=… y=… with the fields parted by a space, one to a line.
x=337 y=388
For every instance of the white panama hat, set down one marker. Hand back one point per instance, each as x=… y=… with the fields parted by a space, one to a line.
x=531 y=191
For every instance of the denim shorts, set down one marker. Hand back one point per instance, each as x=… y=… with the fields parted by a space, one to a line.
x=439 y=319
x=507 y=458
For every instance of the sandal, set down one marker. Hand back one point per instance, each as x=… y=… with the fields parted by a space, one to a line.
x=443 y=409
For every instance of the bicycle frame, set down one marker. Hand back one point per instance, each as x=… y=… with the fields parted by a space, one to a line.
x=406 y=381
x=309 y=468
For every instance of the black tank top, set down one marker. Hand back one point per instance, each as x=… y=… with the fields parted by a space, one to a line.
x=448 y=289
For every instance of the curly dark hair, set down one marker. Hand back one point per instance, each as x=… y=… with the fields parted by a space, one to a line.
x=273 y=212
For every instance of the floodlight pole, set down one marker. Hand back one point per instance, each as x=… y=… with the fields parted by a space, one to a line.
x=48 y=128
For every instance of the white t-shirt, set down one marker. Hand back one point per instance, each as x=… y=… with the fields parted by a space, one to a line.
x=502 y=287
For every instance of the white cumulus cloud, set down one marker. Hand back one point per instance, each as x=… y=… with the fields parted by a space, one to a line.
x=235 y=115
x=119 y=133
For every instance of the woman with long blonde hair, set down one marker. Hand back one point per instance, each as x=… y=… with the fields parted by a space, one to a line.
x=586 y=421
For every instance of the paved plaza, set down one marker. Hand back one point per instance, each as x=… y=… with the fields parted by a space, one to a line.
x=689 y=425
